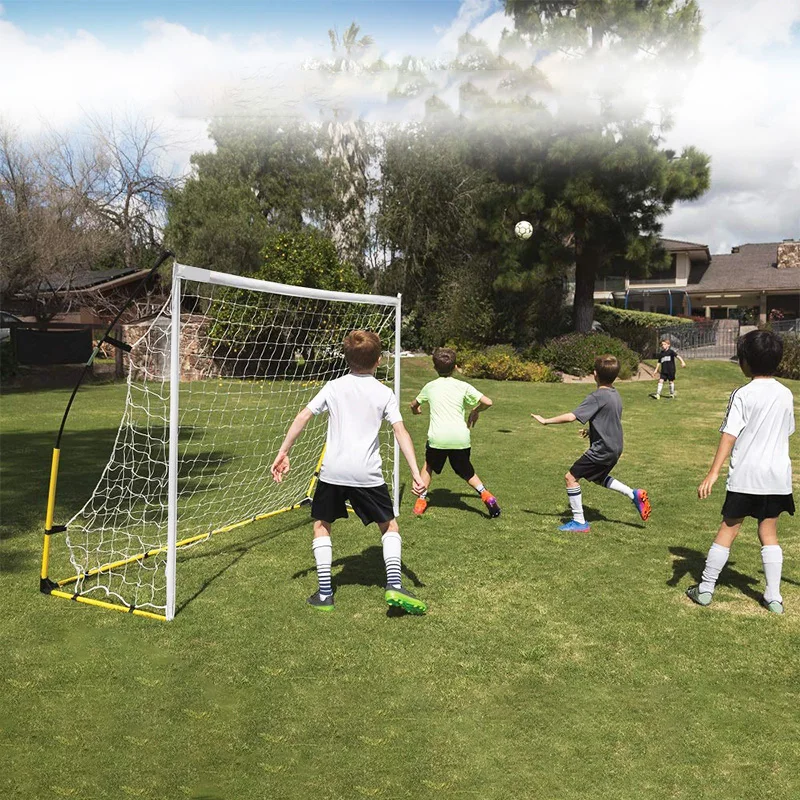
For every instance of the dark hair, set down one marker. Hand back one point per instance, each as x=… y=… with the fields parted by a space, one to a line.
x=761 y=350
x=444 y=360
x=362 y=349
x=607 y=368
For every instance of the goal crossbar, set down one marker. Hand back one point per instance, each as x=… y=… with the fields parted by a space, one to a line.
x=173 y=386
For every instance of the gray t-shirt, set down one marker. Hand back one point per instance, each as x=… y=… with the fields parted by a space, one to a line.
x=602 y=409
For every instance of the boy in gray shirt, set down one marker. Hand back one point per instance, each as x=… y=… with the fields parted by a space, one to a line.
x=602 y=409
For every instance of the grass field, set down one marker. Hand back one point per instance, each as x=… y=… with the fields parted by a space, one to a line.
x=549 y=666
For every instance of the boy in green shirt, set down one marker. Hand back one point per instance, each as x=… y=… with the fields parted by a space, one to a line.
x=448 y=433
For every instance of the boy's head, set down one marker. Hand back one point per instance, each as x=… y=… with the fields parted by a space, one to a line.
x=606 y=369
x=362 y=349
x=759 y=353
x=444 y=361
x=665 y=344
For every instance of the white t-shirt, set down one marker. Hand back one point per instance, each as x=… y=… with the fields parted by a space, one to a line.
x=761 y=417
x=356 y=406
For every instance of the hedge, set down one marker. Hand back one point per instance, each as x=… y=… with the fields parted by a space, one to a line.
x=575 y=353
x=503 y=363
x=636 y=328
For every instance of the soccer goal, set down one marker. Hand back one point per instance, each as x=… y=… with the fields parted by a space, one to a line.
x=214 y=380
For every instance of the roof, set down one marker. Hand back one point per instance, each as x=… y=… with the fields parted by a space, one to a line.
x=91 y=278
x=676 y=245
x=753 y=268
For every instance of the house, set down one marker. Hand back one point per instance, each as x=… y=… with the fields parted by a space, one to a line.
x=750 y=283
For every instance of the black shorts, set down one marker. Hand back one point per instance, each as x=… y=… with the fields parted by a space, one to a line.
x=371 y=503
x=667 y=375
x=459 y=461
x=591 y=470
x=761 y=506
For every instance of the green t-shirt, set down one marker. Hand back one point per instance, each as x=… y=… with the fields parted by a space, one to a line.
x=449 y=398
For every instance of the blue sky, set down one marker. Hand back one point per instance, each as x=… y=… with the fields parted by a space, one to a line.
x=388 y=21
x=180 y=62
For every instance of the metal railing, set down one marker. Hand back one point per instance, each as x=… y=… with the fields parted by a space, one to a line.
x=715 y=339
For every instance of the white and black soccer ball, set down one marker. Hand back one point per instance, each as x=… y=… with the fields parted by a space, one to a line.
x=523 y=229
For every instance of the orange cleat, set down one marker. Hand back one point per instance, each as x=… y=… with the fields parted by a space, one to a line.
x=491 y=503
x=420 y=506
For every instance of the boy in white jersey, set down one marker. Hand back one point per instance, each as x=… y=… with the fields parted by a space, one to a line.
x=755 y=434
x=357 y=404
x=448 y=433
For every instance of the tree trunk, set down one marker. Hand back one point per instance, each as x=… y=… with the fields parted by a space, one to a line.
x=586 y=264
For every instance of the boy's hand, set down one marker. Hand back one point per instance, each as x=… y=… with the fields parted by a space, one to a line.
x=472 y=419
x=280 y=466
x=416 y=408
x=583 y=433
x=704 y=489
x=417 y=486
x=539 y=419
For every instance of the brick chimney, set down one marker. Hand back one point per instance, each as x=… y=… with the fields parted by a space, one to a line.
x=789 y=254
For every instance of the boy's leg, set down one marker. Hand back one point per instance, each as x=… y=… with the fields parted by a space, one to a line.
x=489 y=500
x=772 y=559
x=578 y=522
x=672 y=388
x=638 y=497
x=717 y=557
x=395 y=594
x=659 y=389
x=421 y=502
x=322 y=548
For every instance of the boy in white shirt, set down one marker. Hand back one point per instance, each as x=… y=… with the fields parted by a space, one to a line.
x=755 y=434
x=357 y=404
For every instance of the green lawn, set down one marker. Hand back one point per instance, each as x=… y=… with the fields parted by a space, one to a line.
x=549 y=666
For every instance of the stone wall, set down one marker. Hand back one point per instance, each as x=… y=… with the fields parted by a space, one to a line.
x=788 y=255
x=149 y=359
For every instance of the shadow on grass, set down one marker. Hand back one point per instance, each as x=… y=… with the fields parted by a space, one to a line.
x=366 y=569
x=691 y=562
x=592 y=515
x=444 y=498
x=237 y=551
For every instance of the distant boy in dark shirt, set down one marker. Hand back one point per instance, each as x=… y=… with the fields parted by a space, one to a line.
x=666 y=369
x=602 y=409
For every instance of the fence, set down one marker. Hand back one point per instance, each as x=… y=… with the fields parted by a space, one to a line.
x=715 y=339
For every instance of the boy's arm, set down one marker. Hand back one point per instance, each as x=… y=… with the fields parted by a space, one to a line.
x=568 y=417
x=726 y=443
x=683 y=363
x=407 y=449
x=416 y=406
x=280 y=466
x=483 y=404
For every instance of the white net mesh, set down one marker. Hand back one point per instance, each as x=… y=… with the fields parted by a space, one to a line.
x=250 y=360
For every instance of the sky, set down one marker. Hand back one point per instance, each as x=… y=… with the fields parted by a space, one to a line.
x=181 y=61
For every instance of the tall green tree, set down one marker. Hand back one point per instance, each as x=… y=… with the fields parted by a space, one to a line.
x=607 y=182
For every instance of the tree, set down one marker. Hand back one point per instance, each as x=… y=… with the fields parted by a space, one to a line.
x=606 y=182
x=261 y=176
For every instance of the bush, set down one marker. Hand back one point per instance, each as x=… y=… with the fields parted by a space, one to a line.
x=790 y=363
x=503 y=363
x=8 y=363
x=638 y=329
x=575 y=353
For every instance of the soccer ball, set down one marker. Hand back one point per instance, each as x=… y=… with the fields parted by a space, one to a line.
x=523 y=229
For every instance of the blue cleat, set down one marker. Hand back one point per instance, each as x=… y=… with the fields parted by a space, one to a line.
x=575 y=527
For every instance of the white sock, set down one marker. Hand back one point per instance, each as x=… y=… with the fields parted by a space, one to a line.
x=660 y=387
x=618 y=486
x=576 y=504
x=772 y=559
x=716 y=560
x=672 y=387
x=392 y=547
x=480 y=488
x=323 y=554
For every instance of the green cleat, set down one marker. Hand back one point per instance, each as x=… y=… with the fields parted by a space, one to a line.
x=316 y=601
x=774 y=606
x=701 y=598
x=401 y=598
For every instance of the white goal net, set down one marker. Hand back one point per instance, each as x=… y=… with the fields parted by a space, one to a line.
x=214 y=380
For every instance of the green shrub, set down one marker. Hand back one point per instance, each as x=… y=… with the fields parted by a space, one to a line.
x=575 y=353
x=8 y=363
x=503 y=363
x=790 y=363
x=638 y=329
